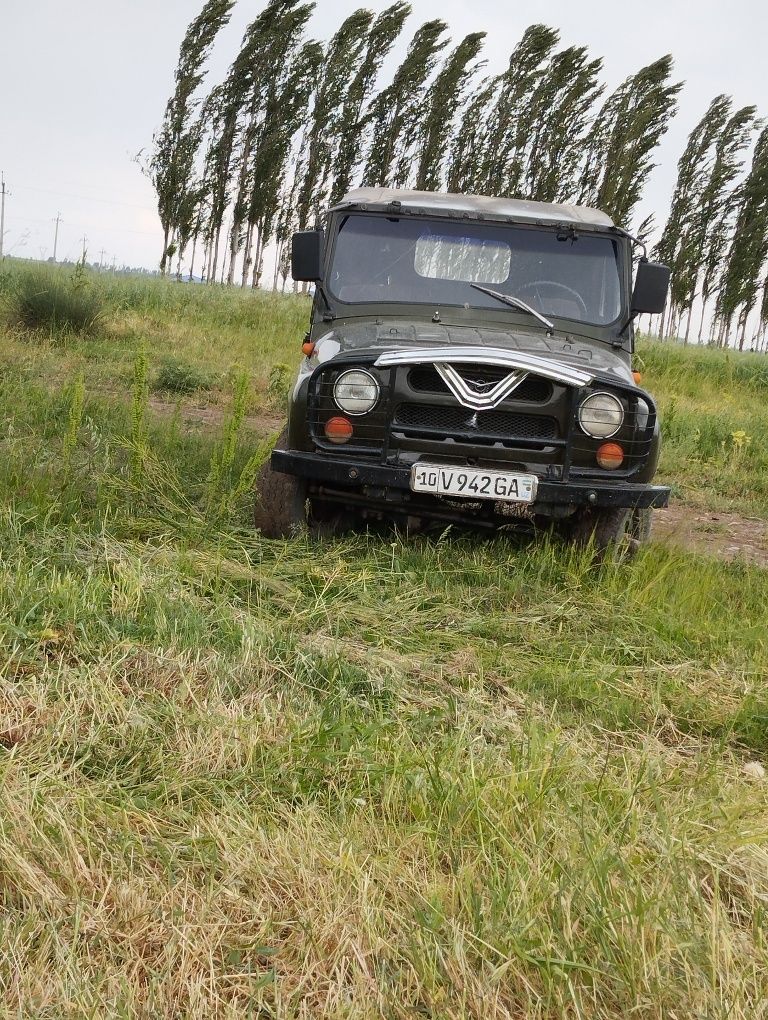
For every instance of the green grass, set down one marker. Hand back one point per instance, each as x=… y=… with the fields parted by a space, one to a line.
x=372 y=777
x=53 y=301
x=714 y=412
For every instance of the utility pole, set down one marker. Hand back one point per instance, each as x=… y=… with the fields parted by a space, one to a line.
x=102 y=253
x=57 y=221
x=114 y=260
x=84 y=240
x=2 y=213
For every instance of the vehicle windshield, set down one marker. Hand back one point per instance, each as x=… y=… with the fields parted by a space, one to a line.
x=415 y=260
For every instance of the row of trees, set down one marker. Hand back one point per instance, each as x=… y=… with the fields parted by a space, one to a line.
x=296 y=123
x=716 y=236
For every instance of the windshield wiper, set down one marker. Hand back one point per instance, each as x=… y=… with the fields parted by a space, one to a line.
x=515 y=302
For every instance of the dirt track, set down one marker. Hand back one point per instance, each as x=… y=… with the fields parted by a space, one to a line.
x=722 y=535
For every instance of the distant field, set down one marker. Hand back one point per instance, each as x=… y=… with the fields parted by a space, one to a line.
x=371 y=777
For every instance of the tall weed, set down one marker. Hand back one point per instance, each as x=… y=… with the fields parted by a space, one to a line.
x=54 y=301
x=74 y=420
x=224 y=456
x=139 y=401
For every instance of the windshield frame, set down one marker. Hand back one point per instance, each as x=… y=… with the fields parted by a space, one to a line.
x=495 y=313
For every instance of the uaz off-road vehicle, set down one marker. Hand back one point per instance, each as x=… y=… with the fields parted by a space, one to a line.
x=469 y=361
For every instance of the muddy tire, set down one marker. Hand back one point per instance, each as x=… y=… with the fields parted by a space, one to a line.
x=281 y=500
x=613 y=533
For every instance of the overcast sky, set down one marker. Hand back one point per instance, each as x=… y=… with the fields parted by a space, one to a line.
x=83 y=84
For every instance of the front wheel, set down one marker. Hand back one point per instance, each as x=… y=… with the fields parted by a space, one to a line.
x=281 y=500
x=613 y=532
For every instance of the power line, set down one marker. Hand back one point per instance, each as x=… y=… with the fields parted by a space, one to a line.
x=83 y=198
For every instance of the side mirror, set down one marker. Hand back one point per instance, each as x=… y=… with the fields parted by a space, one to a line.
x=307 y=255
x=651 y=288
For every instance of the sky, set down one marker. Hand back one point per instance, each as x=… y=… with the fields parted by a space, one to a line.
x=83 y=85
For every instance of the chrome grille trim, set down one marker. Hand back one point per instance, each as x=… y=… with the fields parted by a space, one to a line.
x=546 y=367
x=469 y=397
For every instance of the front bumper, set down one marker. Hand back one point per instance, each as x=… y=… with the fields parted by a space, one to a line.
x=379 y=483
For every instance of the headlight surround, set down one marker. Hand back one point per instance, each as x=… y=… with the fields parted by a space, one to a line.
x=642 y=414
x=356 y=391
x=601 y=415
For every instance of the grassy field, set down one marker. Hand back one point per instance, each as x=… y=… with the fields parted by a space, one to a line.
x=367 y=777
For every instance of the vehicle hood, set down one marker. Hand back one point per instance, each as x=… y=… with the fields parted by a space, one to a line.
x=380 y=336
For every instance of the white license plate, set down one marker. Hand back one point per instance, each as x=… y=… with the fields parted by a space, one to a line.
x=473 y=483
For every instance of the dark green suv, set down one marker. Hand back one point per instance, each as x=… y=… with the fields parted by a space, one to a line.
x=469 y=360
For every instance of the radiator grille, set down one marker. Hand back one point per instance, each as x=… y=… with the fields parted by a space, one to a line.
x=475 y=426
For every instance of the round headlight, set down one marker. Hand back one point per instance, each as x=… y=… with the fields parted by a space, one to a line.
x=356 y=391
x=601 y=415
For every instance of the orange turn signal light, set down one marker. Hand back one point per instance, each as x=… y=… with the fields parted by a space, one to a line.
x=339 y=430
x=308 y=348
x=610 y=456
x=638 y=377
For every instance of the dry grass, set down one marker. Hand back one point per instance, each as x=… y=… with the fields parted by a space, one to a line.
x=364 y=778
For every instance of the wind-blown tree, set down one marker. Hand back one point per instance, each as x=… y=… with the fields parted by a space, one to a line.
x=719 y=201
x=271 y=44
x=620 y=147
x=175 y=146
x=693 y=170
x=213 y=181
x=522 y=133
x=561 y=107
x=284 y=112
x=443 y=99
x=394 y=116
x=293 y=126
x=351 y=64
x=325 y=126
x=224 y=109
x=749 y=247
x=219 y=117
x=229 y=105
x=384 y=31
x=464 y=159
x=510 y=118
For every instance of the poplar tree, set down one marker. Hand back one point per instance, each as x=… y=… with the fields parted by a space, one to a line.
x=561 y=108
x=444 y=98
x=394 y=116
x=384 y=31
x=719 y=200
x=510 y=117
x=620 y=146
x=749 y=247
x=284 y=112
x=325 y=126
x=270 y=45
x=693 y=170
x=465 y=157
x=175 y=146
x=220 y=113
